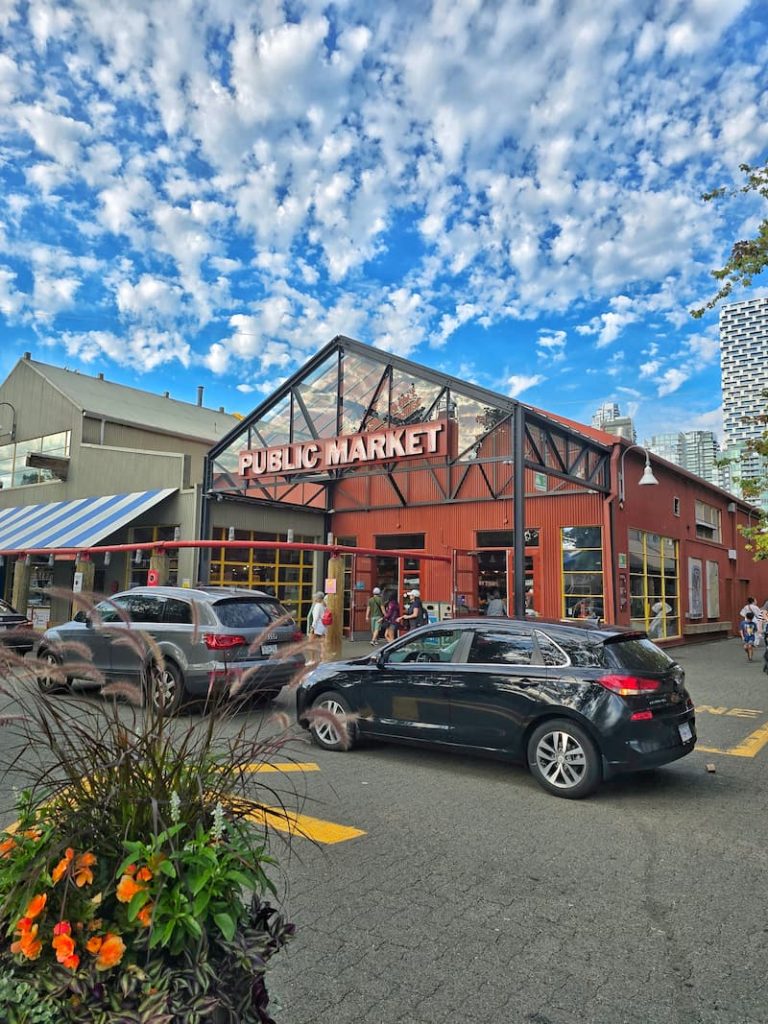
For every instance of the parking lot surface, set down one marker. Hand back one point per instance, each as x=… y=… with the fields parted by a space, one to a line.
x=474 y=896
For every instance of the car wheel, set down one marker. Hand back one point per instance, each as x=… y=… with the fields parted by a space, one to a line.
x=165 y=687
x=50 y=681
x=563 y=759
x=325 y=729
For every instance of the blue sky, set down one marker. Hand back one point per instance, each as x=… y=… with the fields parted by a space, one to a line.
x=206 y=193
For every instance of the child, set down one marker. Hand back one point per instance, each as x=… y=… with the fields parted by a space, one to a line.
x=748 y=630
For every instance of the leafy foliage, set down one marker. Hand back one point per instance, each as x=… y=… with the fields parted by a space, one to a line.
x=749 y=257
x=133 y=887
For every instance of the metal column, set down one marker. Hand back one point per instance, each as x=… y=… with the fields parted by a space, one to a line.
x=518 y=455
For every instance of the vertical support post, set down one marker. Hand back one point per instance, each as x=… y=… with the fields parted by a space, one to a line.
x=332 y=644
x=518 y=455
x=85 y=566
x=158 y=564
x=204 y=554
x=21 y=574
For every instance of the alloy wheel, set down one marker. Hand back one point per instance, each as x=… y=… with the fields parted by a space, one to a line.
x=326 y=731
x=561 y=759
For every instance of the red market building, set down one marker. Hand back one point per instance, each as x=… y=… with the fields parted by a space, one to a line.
x=545 y=512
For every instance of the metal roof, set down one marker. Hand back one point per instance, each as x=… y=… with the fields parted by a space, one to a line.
x=118 y=403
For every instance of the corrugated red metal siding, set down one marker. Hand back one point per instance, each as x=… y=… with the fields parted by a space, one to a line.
x=652 y=509
x=452 y=526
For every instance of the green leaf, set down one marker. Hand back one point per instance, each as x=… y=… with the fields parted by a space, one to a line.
x=200 y=903
x=198 y=882
x=137 y=902
x=165 y=867
x=226 y=925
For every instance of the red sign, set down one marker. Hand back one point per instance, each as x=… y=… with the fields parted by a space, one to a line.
x=388 y=445
x=153 y=578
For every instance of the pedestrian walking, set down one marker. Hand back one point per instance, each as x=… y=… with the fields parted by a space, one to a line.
x=318 y=629
x=748 y=631
x=416 y=614
x=757 y=612
x=391 y=616
x=374 y=614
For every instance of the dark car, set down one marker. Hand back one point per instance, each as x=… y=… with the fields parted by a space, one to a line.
x=209 y=639
x=15 y=630
x=575 y=702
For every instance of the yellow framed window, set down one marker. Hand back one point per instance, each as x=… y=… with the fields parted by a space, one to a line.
x=583 y=589
x=137 y=565
x=287 y=575
x=654 y=584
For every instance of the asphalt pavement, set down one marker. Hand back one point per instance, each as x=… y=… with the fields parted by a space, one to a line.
x=444 y=888
x=474 y=896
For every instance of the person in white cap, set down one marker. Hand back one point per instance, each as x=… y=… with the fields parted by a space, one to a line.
x=417 y=613
x=374 y=614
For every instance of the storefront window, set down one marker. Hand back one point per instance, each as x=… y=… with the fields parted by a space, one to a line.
x=285 y=574
x=582 y=563
x=654 y=593
x=137 y=568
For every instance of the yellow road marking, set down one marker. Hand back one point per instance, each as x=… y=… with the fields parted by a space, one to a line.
x=708 y=709
x=303 y=825
x=751 y=746
x=289 y=766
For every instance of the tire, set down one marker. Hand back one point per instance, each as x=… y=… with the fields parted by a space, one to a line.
x=564 y=759
x=323 y=732
x=165 y=687
x=47 y=683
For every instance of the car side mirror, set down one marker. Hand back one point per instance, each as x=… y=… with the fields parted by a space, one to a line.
x=81 y=616
x=381 y=659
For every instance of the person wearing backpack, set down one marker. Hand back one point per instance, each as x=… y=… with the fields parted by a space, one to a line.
x=417 y=613
x=318 y=626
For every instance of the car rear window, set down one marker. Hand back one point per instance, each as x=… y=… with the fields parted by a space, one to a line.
x=637 y=654
x=248 y=613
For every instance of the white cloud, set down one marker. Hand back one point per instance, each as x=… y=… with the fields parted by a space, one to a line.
x=519 y=382
x=671 y=380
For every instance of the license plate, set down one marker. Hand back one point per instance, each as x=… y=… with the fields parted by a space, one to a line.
x=685 y=732
x=272 y=649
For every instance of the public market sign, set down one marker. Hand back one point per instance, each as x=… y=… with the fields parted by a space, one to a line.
x=388 y=445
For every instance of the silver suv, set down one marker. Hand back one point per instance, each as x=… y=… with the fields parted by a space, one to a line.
x=209 y=639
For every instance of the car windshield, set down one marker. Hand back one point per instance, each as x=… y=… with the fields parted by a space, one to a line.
x=637 y=654
x=5 y=609
x=249 y=612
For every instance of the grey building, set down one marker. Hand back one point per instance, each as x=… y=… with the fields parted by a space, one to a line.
x=608 y=418
x=86 y=462
x=744 y=368
x=694 y=450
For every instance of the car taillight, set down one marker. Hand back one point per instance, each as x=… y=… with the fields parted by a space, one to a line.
x=222 y=641
x=641 y=716
x=629 y=686
x=297 y=637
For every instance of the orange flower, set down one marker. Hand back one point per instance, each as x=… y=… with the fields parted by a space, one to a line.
x=62 y=928
x=65 y=948
x=72 y=962
x=32 y=833
x=28 y=944
x=145 y=915
x=93 y=945
x=7 y=846
x=83 y=873
x=36 y=905
x=144 y=875
x=131 y=870
x=127 y=889
x=111 y=952
x=63 y=865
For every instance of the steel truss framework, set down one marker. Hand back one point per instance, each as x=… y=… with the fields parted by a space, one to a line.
x=350 y=388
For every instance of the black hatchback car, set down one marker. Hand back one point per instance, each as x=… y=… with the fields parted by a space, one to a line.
x=575 y=702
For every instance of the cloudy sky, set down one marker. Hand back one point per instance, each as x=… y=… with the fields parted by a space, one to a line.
x=205 y=193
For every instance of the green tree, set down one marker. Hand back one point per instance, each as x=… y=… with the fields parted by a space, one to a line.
x=749 y=257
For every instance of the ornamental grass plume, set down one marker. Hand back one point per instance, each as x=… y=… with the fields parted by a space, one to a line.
x=135 y=886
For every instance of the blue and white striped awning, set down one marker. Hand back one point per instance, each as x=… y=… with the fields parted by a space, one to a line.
x=73 y=524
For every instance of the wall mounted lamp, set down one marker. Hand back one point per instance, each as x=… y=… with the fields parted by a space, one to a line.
x=645 y=480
